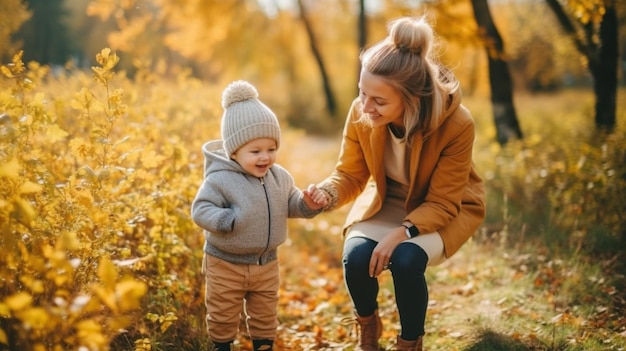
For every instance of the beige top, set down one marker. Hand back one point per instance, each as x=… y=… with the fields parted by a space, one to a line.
x=396 y=166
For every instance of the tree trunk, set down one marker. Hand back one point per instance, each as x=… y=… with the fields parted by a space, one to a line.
x=501 y=83
x=603 y=60
x=362 y=30
x=362 y=39
x=331 y=105
x=605 y=72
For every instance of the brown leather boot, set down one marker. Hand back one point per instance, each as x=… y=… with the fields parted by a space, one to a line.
x=408 y=345
x=371 y=329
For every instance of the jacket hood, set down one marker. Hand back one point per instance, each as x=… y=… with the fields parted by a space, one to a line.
x=216 y=159
x=452 y=103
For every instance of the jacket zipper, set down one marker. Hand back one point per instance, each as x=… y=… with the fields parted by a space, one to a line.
x=269 y=222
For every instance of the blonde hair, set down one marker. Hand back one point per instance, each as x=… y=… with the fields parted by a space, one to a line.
x=406 y=60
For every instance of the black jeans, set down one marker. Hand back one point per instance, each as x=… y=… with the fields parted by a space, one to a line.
x=408 y=263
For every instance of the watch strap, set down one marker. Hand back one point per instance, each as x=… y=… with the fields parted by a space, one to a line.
x=411 y=229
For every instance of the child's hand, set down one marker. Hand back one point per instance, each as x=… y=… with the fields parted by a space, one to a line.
x=315 y=198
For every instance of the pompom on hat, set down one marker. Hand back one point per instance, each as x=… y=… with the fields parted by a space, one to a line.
x=245 y=117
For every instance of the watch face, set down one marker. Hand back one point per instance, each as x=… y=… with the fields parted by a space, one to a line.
x=410 y=229
x=412 y=232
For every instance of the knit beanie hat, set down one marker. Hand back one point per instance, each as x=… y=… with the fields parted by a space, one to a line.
x=245 y=117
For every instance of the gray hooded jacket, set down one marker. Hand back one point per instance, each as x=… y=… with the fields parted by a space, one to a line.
x=244 y=217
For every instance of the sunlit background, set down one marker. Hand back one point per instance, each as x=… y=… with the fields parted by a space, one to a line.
x=301 y=54
x=105 y=104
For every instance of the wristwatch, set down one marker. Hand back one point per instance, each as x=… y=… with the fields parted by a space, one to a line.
x=410 y=229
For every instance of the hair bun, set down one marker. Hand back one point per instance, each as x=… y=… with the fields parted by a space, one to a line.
x=412 y=35
x=238 y=91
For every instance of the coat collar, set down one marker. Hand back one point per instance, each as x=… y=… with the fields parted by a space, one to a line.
x=378 y=140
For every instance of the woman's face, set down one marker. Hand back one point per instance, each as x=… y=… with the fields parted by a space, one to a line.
x=257 y=156
x=380 y=101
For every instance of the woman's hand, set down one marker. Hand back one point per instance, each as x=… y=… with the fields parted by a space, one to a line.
x=381 y=255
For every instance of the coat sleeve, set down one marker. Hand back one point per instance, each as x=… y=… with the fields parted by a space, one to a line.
x=296 y=206
x=210 y=210
x=351 y=173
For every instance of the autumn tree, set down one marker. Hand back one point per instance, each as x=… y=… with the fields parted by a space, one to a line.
x=331 y=105
x=593 y=27
x=538 y=54
x=224 y=40
x=12 y=14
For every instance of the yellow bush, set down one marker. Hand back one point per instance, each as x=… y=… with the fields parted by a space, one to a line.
x=95 y=184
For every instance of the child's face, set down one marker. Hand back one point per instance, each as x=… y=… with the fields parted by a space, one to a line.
x=257 y=156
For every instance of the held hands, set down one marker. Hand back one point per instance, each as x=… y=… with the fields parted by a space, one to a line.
x=315 y=198
x=381 y=256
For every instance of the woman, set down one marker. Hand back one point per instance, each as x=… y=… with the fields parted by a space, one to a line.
x=406 y=161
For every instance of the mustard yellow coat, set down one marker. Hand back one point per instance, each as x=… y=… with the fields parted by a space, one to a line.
x=445 y=192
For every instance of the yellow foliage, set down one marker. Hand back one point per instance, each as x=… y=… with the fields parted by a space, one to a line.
x=151 y=159
x=16 y=67
x=129 y=293
x=107 y=297
x=3 y=337
x=107 y=59
x=61 y=211
x=588 y=11
x=104 y=73
x=34 y=318
x=30 y=188
x=143 y=345
x=18 y=301
x=11 y=169
x=83 y=100
x=4 y=310
x=80 y=147
x=24 y=211
x=6 y=71
x=14 y=13
x=107 y=274
x=68 y=241
x=55 y=133
x=35 y=285
x=90 y=334
x=100 y=8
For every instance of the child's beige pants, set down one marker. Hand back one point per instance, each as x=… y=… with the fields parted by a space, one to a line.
x=230 y=287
